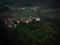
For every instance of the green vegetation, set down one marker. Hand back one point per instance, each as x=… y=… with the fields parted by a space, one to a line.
x=35 y=33
x=42 y=11
x=45 y=32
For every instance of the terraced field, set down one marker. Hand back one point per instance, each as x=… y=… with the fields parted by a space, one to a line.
x=45 y=32
x=42 y=11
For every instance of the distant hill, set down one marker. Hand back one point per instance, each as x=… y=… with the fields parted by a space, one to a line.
x=49 y=3
x=8 y=5
x=3 y=8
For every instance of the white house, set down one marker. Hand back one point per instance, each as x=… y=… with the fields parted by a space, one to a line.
x=23 y=8
x=26 y=21
x=18 y=21
x=38 y=19
x=5 y=22
x=14 y=25
x=34 y=8
x=10 y=25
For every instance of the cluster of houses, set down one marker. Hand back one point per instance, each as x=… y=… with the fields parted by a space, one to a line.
x=12 y=22
x=35 y=8
x=32 y=8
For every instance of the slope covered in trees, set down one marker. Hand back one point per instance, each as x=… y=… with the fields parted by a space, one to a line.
x=45 y=32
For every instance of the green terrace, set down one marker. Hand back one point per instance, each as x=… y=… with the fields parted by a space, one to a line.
x=34 y=11
x=44 y=32
x=36 y=33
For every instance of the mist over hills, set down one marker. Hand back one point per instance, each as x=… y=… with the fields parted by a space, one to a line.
x=53 y=3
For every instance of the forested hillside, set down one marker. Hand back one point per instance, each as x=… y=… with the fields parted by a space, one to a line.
x=43 y=32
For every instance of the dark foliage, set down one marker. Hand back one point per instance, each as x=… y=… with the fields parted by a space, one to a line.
x=45 y=32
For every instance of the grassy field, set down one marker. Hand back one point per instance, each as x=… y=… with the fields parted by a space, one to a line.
x=40 y=11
